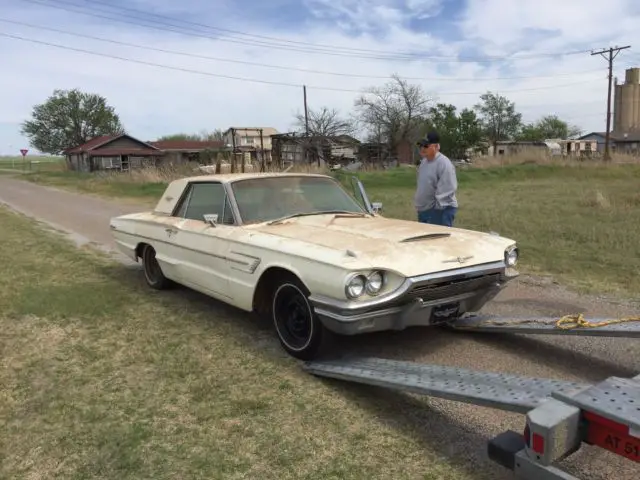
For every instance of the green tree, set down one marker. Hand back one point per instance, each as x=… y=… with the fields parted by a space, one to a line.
x=549 y=126
x=458 y=132
x=69 y=118
x=500 y=121
x=215 y=135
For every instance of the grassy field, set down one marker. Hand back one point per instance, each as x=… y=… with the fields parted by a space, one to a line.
x=102 y=378
x=31 y=163
x=578 y=222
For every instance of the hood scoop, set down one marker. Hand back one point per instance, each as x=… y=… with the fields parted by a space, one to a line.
x=428 y=236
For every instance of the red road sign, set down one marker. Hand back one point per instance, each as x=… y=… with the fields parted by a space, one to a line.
x=23 y=151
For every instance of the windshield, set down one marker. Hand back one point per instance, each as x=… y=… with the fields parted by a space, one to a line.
x=271 y=198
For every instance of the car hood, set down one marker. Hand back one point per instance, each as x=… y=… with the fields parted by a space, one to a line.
x=409 y=248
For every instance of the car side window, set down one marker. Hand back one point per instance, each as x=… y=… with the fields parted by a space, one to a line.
x=206 y=199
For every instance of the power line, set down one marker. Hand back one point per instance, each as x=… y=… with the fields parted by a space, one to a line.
x=230 y=77
x=342 y=51
x=242 y=62
x=275 y=39
x=609 y=59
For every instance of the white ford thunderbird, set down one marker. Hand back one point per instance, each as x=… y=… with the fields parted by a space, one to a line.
x=304 y=252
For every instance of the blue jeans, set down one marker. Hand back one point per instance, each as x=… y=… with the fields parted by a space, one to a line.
x=444 y=217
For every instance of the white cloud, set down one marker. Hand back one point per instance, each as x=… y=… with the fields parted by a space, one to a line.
x=155 y=101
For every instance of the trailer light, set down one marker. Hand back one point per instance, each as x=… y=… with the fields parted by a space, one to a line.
x=538 y=443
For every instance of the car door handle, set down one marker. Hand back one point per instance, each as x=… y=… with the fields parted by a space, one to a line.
x=170 y=231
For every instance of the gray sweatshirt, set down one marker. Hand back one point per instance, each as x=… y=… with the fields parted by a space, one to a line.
x=437 y=184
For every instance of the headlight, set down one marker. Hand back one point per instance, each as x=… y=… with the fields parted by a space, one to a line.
x=374 y=283
x=511 y=257
x=356 y=286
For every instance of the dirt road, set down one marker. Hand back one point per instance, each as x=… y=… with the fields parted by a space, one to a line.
x=455 y=430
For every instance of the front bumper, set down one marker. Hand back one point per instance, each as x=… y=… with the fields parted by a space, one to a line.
x=424 y=303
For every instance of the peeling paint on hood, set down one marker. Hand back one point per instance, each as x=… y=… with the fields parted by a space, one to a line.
x=383 y=243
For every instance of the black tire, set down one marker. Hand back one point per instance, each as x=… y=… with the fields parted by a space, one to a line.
x=299 y=329
x=152 y=271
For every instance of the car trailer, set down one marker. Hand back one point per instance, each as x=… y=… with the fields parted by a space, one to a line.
x=560 y=415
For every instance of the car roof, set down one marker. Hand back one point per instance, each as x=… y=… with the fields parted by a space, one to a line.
x=232 y=177
x=175 y=188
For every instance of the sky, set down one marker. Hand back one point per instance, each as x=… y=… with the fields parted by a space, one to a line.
x=219 y=63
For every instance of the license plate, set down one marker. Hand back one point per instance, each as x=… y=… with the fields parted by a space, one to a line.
x=616 y=442
x=444 y=313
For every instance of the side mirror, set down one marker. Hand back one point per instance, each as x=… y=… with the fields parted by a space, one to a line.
x=211 y=218
x=376 y=207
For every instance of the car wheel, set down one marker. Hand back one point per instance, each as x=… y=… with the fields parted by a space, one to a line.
x=299 y=330
x=152 y=271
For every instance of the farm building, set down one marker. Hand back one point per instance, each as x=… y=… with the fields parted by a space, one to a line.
x=178 y=151
x=521 y=147
x=625 y=143
x=577 y=147
x=124 y=153
x=250 y=143
x=117 y=152
x=297 y=148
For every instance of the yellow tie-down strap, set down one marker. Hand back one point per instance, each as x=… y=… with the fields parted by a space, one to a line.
x=567 y=322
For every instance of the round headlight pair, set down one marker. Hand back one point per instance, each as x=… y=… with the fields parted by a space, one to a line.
x=511 y=257
x=360 y=284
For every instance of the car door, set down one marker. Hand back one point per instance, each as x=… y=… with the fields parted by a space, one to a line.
x=200 y=238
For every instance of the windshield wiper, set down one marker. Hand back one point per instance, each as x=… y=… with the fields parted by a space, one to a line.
x=322 y=212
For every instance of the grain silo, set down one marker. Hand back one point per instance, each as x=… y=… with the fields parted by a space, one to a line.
x=626 y=106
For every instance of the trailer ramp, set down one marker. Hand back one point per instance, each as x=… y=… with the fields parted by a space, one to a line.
x=628 y=327
x=560 y=415
x=494 y=390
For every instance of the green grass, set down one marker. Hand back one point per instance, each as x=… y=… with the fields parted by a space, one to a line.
x=580 y=223
x=90 y=183
x=31 y=163
x=104 y=378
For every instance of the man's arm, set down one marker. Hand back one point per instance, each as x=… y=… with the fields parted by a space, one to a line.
x=447 y=185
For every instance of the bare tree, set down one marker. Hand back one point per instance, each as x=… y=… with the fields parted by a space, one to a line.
x=325 y=122
x=394 y=112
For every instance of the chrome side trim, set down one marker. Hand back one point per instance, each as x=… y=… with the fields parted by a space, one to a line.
x=250 y=267
x=345 y=305
x=138 y=237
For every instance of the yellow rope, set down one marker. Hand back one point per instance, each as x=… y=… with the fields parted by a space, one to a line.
x=566 y=322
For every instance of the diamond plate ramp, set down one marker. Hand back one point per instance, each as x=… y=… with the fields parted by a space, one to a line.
x=615 y=398
x=494 y=390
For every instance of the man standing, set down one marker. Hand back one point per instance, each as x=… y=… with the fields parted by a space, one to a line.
x=435 y=199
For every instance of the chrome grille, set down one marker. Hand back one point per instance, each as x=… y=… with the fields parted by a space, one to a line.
x=448 y=289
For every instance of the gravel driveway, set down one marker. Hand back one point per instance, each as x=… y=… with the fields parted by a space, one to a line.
x=455 y=430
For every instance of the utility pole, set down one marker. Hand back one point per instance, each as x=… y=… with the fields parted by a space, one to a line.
x=233 y=151
x=306 y=111
x=242 y=153
x=609 y=58
x=306 y=125
x=262 y=161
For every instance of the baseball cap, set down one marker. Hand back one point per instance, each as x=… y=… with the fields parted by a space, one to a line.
x=429 y=139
